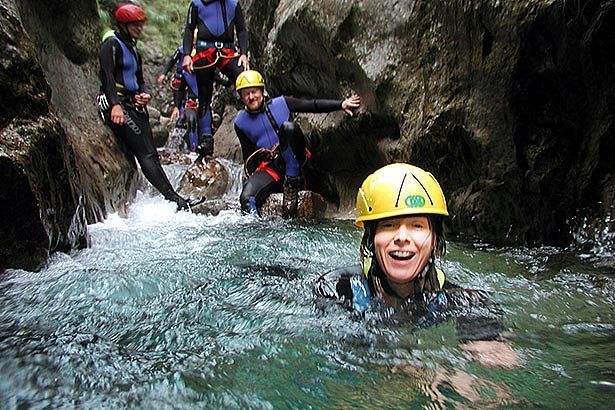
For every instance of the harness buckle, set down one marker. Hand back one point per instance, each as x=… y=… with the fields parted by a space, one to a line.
x=219 y=44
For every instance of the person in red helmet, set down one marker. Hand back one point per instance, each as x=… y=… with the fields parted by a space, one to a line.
x=124 y=97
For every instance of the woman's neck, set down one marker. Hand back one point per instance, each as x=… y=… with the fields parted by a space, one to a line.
x=394 y=292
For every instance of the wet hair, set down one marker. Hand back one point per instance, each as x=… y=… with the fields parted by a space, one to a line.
x=375 y=274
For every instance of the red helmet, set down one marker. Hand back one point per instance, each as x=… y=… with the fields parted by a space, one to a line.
x=129 y=13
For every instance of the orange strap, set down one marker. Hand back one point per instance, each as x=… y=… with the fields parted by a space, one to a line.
x=212 y=55
x=191 y=104
x=264 y=166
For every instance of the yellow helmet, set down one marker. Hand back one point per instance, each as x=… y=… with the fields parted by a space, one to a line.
x=249 y=78
x=399 y=189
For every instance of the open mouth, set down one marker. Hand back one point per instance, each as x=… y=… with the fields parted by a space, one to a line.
x=401 y=255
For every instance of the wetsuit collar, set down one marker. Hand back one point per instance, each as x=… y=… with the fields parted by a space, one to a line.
x=122 y=34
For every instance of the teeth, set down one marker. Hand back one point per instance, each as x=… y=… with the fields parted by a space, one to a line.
x=401 y=254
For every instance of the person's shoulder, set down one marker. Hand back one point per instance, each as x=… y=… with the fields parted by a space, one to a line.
x=241 y=115
x=108 y=40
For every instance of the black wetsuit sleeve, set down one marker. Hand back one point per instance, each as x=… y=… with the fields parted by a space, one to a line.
x=107 y=56
x=477 y=327
x=192 y=20
x=247 y=146
x=335 y=286
x=142 y=87
x=480 y=318
x=314 y=106
x=178 y=96
x=171 y=63
x=242 y=32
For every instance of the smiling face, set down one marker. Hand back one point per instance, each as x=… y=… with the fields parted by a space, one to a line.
x=252 y=97
x=134 y=29
x=403 y=246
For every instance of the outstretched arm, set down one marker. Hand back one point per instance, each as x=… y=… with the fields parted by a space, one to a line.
x=168 y=65
x=351 y=103
x=323 y=106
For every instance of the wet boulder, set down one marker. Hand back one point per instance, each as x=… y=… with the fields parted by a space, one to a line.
x=205 y=178
x=171 y=156
x=310 y=206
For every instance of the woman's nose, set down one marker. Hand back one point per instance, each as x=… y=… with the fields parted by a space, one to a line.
x=403 y=234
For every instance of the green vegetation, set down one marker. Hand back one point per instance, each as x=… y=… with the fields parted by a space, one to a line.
x=165 y=22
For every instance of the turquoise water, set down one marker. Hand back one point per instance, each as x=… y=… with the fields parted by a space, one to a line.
x=175 y=310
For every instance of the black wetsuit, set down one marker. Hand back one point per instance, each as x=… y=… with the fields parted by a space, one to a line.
x=217 y=23
x=475 y=318
x=121 y=78
x=270 y=126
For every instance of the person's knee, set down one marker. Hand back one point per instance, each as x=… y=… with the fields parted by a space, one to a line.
x=244 y=200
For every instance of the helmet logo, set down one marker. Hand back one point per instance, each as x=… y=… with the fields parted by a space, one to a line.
x=415 y=201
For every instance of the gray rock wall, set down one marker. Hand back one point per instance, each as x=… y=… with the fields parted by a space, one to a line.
x=60 y=167
x=509 y=104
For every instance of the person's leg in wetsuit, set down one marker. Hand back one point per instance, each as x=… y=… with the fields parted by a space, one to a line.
x=137 y=135
x=290 y=135
x=205 y=79
x=256 y=190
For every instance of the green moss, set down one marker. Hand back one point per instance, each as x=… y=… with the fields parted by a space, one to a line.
x=165 y=22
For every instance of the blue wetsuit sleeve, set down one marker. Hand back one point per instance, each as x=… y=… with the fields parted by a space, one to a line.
x=107 y=56
x=313 y=106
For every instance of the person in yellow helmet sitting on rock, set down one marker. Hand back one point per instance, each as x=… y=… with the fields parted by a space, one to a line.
x=266 y=126
x=402 y=209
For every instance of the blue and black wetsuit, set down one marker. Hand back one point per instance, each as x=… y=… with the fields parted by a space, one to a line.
x=121 y=77
x=217 y=21
x=271 y=128
x=474 y=318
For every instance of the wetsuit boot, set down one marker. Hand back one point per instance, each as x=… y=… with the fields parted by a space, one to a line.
x=206 y=146
x=173 y=196
x=290 y=199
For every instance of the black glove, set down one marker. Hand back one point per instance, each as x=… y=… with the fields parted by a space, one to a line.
x=192 y=119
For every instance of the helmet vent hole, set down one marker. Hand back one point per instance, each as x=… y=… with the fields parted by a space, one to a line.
x=369 y=208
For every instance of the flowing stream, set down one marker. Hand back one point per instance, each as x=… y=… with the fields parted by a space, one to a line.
x=169 y=309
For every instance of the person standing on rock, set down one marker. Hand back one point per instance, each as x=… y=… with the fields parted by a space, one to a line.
x=124 y=97
x=185 y=95
x=273 y=147
x=209 y=37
